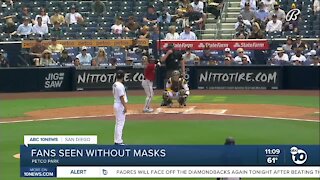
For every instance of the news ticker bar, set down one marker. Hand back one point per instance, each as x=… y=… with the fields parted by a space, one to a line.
x=187 y=172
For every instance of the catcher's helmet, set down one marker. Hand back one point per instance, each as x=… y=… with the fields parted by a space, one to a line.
x=176 y=73
x=120 y=74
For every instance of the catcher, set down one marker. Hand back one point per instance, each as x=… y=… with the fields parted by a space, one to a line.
x=176 y=89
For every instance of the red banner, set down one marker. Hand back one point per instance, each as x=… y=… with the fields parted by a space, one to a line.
x=255 y=44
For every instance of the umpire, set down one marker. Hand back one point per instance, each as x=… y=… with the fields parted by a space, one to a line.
x=172 y=60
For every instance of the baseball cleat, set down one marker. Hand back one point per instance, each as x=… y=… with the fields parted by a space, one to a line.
x=169 y=105
x=119 y=144
x=148 y=110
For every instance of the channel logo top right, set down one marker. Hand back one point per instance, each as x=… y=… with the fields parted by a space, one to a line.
x=298 y=156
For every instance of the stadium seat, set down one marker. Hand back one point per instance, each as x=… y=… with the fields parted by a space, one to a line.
x=72 y=51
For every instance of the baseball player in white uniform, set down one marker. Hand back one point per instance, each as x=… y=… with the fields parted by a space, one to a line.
x=120 y=107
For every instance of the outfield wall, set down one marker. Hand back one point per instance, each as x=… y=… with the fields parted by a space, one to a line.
x=199 y=77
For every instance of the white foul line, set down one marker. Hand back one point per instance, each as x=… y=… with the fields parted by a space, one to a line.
x=109 y=115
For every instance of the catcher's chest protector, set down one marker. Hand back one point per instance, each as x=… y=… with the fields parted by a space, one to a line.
x=177 y=85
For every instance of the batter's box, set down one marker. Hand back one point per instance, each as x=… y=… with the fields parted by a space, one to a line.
x=174 y=110
x=206 y=111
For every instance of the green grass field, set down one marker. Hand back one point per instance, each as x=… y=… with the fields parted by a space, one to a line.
x=195 y=131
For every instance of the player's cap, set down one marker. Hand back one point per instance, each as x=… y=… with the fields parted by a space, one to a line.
x=120 y=74
x=227 y=50
x=230 y=141
x=176 y=73
x=53 y=39
x=276 y=4
x=247 y=4
x=83 y=48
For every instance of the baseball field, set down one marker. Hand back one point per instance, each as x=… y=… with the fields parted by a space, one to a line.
x=251 y=117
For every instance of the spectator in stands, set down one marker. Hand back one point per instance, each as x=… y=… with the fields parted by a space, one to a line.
x=244 y=61
x=24 y=14
x=57 y=17
x=44 y=16
x=300 y=44
x=46 y=58
x=288 y=45
x=292 y=25
x=310 y=55
x=198 y=6
x=268 y=4
x=248 y=3
x=261 y=13
x=144 y=33
x=55 y=47
x=165 y=17
x=315 y=61
x=281 y=57
x=56 y=30
x=281 y=15
x=182 y=5
x=98 y=7
x=94 y=63
x=187 y=34
x=77 y=63
x=316 y=6
x=40 y=28
x=73 y=17
x=84 y=57
x=151 y=16
x=242 y=24
x=247 y=13
x=194 y=18
x=189 y=57
x=274 y=25
x=227 y=53
x=227 y=61
x=172 y=34
x=101 y=57
x=238 y=58
x=215 y=7
x=298 y=58
x=256 y=32
x=65 y=58
x=3 y=61
x=37 y=50
x=156 y=34
x=132 y=25
x=206 y=57
x=25 y=28
x=9 y=28
x=118 y=27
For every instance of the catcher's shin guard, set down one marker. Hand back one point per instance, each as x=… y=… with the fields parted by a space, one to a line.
x=182 y=100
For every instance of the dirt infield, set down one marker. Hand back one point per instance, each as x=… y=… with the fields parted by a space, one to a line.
x=192 y=111
x=31 y=95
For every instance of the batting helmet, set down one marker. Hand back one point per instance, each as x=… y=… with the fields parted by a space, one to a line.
x=120 y=74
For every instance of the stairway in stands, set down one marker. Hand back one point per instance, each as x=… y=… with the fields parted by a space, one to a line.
x=224 y=28
x=229 y=18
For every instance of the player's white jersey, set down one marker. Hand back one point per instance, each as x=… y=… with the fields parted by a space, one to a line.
x=118 y=91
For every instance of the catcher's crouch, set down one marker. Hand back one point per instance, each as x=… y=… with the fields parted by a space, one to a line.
x=176 y=89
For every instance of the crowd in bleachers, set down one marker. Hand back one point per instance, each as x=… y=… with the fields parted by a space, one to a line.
x=153 y=20
x=274 y=19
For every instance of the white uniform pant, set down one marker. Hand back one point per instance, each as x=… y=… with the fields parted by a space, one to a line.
x=148 y=89
x=120 y=120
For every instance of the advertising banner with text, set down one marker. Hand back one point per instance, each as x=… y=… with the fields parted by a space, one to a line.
x=256 y=44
